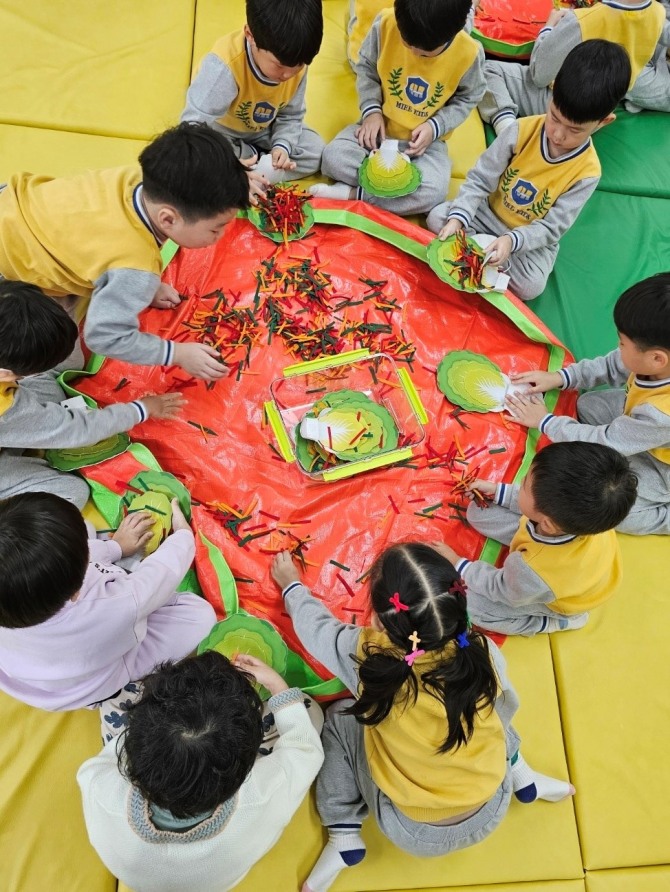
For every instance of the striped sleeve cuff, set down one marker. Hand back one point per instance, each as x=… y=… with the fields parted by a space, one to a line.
x=501 y=492
x=280 y=144
x=168 y=356
x=436 y=128
x=546 y=30
x=459 y=215
x=499 y=116
x=286 y=698
x=462 y=565
x=516 y=239
x=369 y=109
x=567 y=383
x=141 y=410
x=290 y=587
x=545 y=421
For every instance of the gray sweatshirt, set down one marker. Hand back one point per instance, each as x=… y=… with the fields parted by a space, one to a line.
x=213 y=91
x=483 y=180
x=470 y=90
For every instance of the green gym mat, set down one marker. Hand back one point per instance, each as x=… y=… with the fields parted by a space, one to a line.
x=634 y=152
x=617 y=241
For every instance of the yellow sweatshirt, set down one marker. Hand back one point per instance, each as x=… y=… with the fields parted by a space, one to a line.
x=658 y=397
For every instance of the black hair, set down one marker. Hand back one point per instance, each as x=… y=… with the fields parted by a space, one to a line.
x=43 y=557
x=464 y=680
x=592 y=81
x=36 y=333
x=584 y=488
x=292 y=30
x=429 y=24
x=642 y=313
x=193 y=736
x=195 y=170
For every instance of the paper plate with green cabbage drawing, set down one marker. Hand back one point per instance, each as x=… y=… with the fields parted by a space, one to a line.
x=471 y=381
x=388 y=173
x=157 y=504
x=83 y=456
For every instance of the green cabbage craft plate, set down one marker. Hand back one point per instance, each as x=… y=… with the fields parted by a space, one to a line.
x=259 y=220
x=471 y=381
x=83 y=456
x=402 y=179
x=442 y=258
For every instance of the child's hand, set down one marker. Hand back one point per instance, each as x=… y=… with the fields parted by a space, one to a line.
x=200 y=361
x=281 y=159
x=134 y=532
x=486 y=488
x=445 y=550
x=166 y=297
x=179 y=522
x=422 y=137
x=261 y=672
x=167 y=405
x=451 y=228
x=284 y=570
x=371 y=131
x=257 y=182
x=526 y=410
x=497 y=253
x=539 y=381
x=555 y=17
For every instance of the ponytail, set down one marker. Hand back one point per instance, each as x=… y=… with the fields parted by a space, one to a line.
x=466 y=685
x=386 y=678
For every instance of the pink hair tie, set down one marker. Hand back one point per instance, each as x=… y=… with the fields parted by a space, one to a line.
x=410 y=657
x=397 y=603
x=458 y=588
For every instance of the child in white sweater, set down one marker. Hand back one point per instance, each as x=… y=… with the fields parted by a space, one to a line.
x=183 y=802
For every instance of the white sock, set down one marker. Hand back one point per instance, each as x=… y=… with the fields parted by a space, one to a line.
x=530 y=785
x=345 y=848
x=560 y=623
x=341 y=191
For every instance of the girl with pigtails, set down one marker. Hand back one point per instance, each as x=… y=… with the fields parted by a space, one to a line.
x=427 y=746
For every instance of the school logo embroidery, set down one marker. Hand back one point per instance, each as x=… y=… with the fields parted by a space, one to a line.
x=416 y=90
x=523 y=192
x=263 y=113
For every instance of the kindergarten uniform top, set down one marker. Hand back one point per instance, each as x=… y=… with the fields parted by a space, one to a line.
x=536 y=196
x=567 y=574
x=638 y=29
x=89 y=235
x=231 y=94
x=410 y=90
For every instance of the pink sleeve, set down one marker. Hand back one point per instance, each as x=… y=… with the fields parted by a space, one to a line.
x=105 y=551
x=154 y=582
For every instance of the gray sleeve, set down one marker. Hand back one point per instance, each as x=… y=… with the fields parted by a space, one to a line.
x=589 y=373
x=212 y=92
x=32 y=424
x=551 y=48
x=514 y=583
x=559 y=218
x=368 y=85
x=469 y=92
x=330 y=641
x=111 y=327
x=287 y=126
x=644 y=429
x=483 y=178
x=507 y=701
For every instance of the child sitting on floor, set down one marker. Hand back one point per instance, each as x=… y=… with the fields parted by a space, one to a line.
x=37 y=338
x=563 y=553
x=419 y=75
x=515 y=90
x=251 y=87
x=634 y=418
x=183 y=802
x=75 y=628
x=530 y=185
x=427 y=746
x=98 y=235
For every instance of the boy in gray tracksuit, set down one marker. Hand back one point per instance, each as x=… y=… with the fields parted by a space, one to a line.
x=35 y=334
x=531 y=183
x=251 y=87
x=633 y=418
x=515 y=90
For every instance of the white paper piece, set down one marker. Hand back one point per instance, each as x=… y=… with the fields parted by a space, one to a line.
x=75 y=402
x=271 y=174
